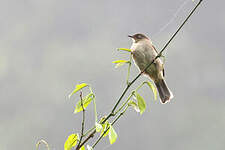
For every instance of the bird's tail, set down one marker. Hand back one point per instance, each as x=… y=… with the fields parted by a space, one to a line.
x=164 y=92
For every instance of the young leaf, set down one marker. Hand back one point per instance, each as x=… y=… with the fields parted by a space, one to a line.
x=86 y=101
x=82 y=148
x=112 y=135
x=98 y=127
x=141 y=102
x=71 y=141
x=154 y=90
x=105 y=126
x=120 y=63
x=134 y=105
x=125 y=49
x=89 y=147
x=78 y=87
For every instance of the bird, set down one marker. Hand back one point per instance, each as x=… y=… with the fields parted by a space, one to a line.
x=143 y=53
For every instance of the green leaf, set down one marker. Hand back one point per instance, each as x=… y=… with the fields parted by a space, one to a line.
x=98 y=127
x=112 y=135
x=120 y=63
x=82 y=148
x=105 y=126
x=86 y=101
x=153 y=88
x=134 y=105
x=78 y=87
x=71 y=141
x=141 y=102
x=89 y=147
x=125 y=49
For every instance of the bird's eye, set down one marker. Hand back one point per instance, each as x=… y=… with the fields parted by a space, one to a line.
x=139 y=36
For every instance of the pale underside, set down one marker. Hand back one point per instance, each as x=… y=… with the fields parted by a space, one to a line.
x=143 y=54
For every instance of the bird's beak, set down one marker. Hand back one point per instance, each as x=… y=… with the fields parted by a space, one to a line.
x=130 y=36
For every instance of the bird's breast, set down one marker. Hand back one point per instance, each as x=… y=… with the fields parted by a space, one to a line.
x=143 y=54
x=143 y=51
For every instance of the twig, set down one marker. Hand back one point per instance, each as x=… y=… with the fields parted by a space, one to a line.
x=123 y=105
x=128 y=71
x=117 y=118
x=82 y=125
x=128 y=85
x=89 y=130
x=91 y=135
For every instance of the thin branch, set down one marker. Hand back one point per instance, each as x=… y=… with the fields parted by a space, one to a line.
x=120 y=115
x=123 y=105
x=117 y=118
x=128 y=71
x=87 y=132
x=128 y=85
x=82 y=125
x=95 y=109
x=91 y=135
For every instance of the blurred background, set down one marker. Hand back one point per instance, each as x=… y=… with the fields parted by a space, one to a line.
x=49 y=46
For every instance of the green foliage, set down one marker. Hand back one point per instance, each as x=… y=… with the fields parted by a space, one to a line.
x=112 y=135
x=78 y=87
x=71 y=141
x=86 y=101
x=82 y=148
x=134 y=105
x=141 y=102
x=120 y=63
x=153 y=88
x=105 y=126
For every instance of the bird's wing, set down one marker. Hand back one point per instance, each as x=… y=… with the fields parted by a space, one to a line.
x=155 y=49
x=163 y=71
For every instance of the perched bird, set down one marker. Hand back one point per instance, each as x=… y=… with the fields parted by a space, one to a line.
x=143 y=53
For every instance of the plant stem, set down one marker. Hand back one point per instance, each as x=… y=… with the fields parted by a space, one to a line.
x=96 y=115
x=91 y=135
x=88 y=131
x=120 y=115
x=128 y=71
x=117 y=118
x=95 y=109
x=44 y=142
x=140 y=86
x=121 y=107
x=83 y=120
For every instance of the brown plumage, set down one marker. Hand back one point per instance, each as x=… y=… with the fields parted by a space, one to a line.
x=143 y=53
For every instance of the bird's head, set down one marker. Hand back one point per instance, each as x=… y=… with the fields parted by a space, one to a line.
x=138 y=37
